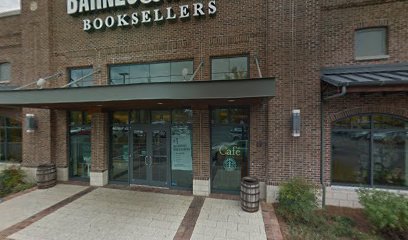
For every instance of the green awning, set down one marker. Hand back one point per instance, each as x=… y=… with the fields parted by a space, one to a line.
x=191 y=90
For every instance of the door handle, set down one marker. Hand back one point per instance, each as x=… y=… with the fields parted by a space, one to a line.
x=146 y=162
x=151 y=161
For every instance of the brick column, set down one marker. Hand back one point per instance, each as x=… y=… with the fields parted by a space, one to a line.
x=60 y=144
x=201 y=151
x=37 y=145
x=100 y=147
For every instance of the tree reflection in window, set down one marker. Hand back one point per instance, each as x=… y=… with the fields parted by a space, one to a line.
x=10 y=140
x=370 y=149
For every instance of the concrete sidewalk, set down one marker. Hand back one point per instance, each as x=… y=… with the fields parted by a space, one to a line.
x=106 y=213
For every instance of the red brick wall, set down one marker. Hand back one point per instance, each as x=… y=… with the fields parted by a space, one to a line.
x=293 y=57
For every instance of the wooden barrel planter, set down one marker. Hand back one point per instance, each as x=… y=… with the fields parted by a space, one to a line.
x=250 y=194
x=46 y=176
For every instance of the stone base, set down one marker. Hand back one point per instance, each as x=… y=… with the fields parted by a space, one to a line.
x=99 y=179
x=9 y=165
x=62 y=174
x=31 y=174
x=201 y=187
x=262 y=190
x=272 y=194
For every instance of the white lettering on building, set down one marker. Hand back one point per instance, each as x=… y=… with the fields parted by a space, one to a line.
x=76 y=7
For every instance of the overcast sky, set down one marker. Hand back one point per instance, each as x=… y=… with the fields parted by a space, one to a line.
x=9 y=5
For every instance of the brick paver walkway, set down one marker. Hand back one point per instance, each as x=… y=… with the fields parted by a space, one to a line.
x=24 y=206
x=80 y=212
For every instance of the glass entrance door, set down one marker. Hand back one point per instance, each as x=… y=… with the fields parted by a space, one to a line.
x=150 y=154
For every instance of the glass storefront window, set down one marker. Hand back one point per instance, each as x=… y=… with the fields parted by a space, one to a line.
x=229 y=68
x=80 y=144
x=151 y=72
x=120 y=117
x=181 y=156
x=229 y=148
x=10 y=140
x=120 y=154
x=161 y=117
x=181 y=116
x=376 y=155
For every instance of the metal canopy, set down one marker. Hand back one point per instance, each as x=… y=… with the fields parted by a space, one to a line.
x=371 y=75
x=192 y=90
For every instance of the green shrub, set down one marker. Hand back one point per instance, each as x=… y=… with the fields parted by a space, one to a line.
x=297 y=200
x=12 y=180
x=386 y=211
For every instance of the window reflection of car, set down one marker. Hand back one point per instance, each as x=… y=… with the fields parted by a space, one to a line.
x=80 y=131
x=238 y=133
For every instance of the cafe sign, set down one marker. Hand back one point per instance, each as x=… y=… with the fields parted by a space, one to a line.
x=145 y=16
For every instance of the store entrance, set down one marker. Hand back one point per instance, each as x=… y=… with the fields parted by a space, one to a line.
x=149 y=155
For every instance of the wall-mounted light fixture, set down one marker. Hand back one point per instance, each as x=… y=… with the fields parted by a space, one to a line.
x=30 y=123
x=296 y=123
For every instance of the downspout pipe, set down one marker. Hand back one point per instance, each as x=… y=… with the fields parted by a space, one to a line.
x=342 y=93
x=322 y=142
x=322 y=152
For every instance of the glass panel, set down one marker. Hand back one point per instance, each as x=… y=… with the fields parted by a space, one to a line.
x=350 y=156
x=181 y=116
x=75 y=118
x=220 y=116
x=355 y=122
x=239 y=116
x=159 y=156
x=2 y=139
x=371 y=42
x=229 y=152
x=390 y=152
x=239 y=63
x=220 y=65
x=220 y=76
x=160 y=79
x=5 y=72
x=387 y=121
x=14 y=150
x=120 y=154
x=229 y=68
x=160 y=70
x=180 y=68
x=140 y=71
x=87 y=118
x=161 y=117
x=140 y=156
x=76 y=74
x=120 y=117
x=11 y=122
x=181 y=157
x=119 y=74
x=80 y=153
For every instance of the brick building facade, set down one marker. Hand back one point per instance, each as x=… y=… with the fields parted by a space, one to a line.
x=289 y=43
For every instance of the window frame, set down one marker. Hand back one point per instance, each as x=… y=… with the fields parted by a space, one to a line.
x=81 y=125
x=9 y=69
x=148 y=63
x=372 y=130
x=70 y=69
x=373 y=57
x=247 y=55
x=4 y=126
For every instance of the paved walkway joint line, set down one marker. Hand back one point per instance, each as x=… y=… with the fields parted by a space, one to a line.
x=186 y=228
x=27 y=222
x=272 y=227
